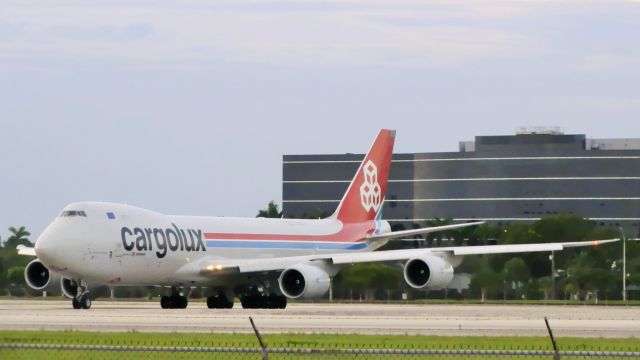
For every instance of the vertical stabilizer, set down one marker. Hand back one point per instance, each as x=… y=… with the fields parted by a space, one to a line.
x=365 y=195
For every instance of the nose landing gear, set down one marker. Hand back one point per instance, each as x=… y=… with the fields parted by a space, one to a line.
x=82 y=300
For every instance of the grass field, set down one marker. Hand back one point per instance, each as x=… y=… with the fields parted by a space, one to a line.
x=297 y=341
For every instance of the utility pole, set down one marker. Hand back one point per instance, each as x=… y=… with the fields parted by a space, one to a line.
x=553 y=275
x=624 y=267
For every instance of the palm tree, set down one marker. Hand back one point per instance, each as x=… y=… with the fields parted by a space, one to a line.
x=546 y=285
x=438 y=236
x=272 y=211
x=18 y=236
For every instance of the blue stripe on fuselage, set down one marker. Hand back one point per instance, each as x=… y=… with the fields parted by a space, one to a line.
x=257 y=244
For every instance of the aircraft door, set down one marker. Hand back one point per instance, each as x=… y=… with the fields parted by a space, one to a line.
x=117 y=253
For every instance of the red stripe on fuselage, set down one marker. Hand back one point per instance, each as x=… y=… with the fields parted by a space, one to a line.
x=348 y=233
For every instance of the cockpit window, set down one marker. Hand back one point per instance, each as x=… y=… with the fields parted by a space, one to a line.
x=70 y=213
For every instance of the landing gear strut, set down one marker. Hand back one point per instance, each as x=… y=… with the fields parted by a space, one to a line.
x=174 y=301
x=82 y=299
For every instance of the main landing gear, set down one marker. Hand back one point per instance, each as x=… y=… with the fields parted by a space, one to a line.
x=82 y=299
x=219 y=301
x=174 y=301
x=260 y=301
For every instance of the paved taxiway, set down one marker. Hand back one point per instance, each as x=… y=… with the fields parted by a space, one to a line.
x=462 y=320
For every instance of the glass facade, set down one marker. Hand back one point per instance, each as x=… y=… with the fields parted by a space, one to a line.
x=500 y=179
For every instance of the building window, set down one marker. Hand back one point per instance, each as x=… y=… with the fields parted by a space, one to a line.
x=392 y=203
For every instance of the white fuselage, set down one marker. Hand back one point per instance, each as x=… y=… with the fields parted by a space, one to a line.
x=120 y=244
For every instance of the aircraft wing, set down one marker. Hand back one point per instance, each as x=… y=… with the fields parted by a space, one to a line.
x=406 y=254
x=25 y=250
x=224 y=266
x=403 y=233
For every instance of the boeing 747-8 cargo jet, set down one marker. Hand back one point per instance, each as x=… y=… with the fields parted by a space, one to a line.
x=262 y=261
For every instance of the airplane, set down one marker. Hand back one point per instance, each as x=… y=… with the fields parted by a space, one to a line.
x=263 y=261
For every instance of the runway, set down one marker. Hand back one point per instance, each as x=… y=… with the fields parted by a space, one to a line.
x=444 y=320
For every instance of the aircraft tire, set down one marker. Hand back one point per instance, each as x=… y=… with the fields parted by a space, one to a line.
x=211 y=302
x=270 y=302
x=263 y=302
x=165 y=302
x=214 y=302
x=281 y=302
x=248 y=302
x=181 y=302
x=228 y=304
x=174 y=302
x=276 y=302
x=85 y=302
x=219 y=302
x=76 y=304
x=256 y=302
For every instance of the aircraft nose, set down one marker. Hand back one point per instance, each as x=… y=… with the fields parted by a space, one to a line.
x=43 y=246
x=46 y=247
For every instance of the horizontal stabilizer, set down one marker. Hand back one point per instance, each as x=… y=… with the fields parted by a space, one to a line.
x=404 y=233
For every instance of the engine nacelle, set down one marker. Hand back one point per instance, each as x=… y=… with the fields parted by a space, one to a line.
x=304 y=281
x=38 y=277
x=69 y=288
x=428 y=272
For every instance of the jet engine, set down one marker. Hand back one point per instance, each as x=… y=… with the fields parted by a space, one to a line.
x=304 y=281
x=70 y=289
x=38 y=277
x=428 y=272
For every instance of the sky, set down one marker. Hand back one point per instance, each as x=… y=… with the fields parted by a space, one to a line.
x=186 y=107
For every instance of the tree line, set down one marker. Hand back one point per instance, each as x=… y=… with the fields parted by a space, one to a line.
x=11 y=264
x=572 y=274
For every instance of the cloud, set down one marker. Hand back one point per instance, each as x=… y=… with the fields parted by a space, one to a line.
x=196 y=34
x=354 y=33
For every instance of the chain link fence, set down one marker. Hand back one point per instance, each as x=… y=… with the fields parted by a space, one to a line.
x=69 y=351
x=41 y=347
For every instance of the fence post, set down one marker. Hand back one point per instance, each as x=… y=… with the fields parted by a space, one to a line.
x=262 y=345
x=556 y=355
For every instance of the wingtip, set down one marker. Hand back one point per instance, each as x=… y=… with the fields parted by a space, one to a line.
x=597 y=243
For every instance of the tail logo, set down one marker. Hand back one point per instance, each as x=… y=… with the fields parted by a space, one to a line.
x=370 y=192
